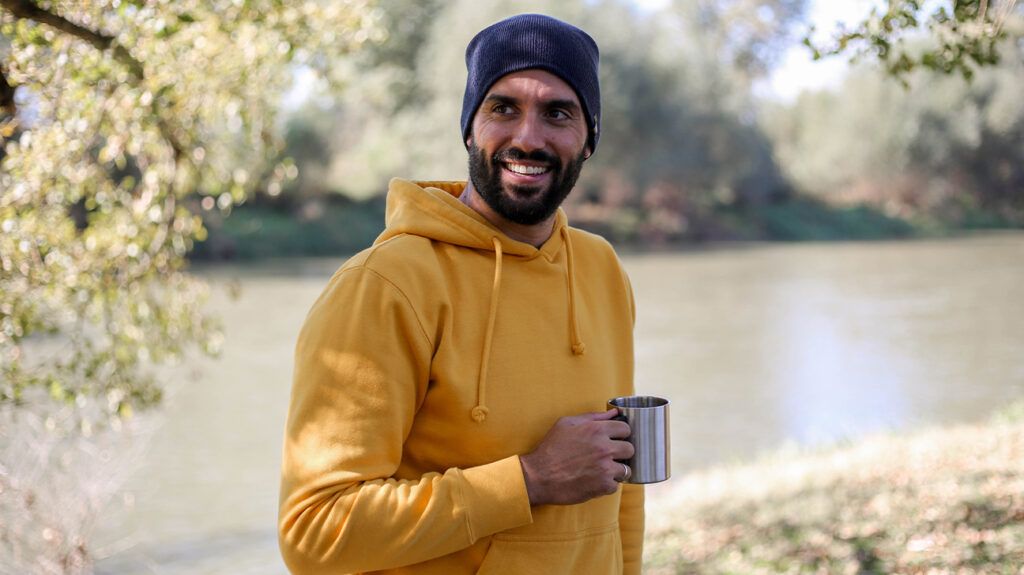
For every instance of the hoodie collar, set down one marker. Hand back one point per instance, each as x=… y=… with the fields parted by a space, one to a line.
x=454 y=222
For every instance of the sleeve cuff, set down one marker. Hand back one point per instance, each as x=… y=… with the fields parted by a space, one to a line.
x=495 y=497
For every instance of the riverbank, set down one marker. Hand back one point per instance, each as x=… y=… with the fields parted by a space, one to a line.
x=946 y=500
x=336 y=225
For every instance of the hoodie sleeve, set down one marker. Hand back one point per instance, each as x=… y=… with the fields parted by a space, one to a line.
x=362 y=365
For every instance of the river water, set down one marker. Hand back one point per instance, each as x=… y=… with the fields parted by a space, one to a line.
x=759 y=347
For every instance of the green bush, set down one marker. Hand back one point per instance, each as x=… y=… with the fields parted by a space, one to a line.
x=806 y=219
x=259 y=231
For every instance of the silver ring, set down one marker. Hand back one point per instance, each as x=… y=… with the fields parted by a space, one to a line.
x=628 y=473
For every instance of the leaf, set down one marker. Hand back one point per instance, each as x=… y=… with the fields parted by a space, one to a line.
x=168 y=31
x=56 y=390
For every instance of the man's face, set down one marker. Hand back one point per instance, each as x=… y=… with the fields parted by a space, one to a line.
x=528 y=144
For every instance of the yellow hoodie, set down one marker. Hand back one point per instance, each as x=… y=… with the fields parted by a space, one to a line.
x=429 y=363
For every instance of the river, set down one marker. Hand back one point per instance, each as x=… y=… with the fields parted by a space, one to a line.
x=759 y=347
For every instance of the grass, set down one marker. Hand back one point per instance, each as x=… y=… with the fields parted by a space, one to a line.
x=939 y=501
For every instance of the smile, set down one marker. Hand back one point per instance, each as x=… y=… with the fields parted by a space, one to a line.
x=524 y=170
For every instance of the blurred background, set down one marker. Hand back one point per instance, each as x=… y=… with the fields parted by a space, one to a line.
x=820 y=206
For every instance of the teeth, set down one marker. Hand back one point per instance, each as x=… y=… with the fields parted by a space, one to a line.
x=526 y=170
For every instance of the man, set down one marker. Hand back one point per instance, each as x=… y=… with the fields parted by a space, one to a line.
x=447 y=412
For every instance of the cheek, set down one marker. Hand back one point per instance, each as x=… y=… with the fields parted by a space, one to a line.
x=570 y=150
x=490 y=135
x=571 y=143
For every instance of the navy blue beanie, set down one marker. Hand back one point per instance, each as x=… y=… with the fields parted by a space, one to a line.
x=530 y=41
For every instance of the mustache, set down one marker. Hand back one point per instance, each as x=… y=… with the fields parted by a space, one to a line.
x=512 y=154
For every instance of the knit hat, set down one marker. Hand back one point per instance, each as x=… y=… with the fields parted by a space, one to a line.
x=530 y=41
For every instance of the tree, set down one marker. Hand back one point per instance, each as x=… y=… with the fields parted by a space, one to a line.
x=120 y=120
x=955 y=36
x=941 y=151
x=344 y=121
x=746 y=36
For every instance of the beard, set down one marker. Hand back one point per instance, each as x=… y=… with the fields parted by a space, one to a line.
x=525 y=205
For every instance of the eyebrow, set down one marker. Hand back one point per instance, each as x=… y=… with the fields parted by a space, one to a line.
x=570 y=105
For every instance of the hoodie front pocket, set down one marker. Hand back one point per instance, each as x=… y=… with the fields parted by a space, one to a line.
x=595 y=551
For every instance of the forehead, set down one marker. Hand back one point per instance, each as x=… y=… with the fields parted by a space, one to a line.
x=534 y=84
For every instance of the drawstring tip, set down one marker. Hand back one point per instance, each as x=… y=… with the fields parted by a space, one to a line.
x=479 y=413
x=579 y=348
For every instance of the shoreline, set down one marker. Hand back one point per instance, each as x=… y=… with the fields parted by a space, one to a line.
x=939 y=500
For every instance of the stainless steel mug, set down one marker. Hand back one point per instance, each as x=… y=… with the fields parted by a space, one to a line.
x=647 y=417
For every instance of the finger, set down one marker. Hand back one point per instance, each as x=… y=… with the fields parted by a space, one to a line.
x=624 y=474
x=617 y=429
x=619 y=471
x=627 y=474
x=603 y=415
x=622 y=450
x=588 y=417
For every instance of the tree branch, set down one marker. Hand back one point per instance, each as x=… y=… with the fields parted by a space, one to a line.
x=1004 y=13
x=8 y=109
x=6 y=96
x=29 y=10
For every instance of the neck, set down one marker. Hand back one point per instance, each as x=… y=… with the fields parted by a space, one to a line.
x=533 y=234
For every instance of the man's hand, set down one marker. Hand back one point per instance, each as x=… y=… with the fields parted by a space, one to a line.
x=575 y=461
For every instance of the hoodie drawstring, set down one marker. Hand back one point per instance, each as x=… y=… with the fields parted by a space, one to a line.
x=479 y=413
x=578 y=347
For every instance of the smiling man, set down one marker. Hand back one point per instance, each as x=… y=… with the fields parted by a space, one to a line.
x=447 y=411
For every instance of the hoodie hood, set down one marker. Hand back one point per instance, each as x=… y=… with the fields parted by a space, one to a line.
x=433 y=210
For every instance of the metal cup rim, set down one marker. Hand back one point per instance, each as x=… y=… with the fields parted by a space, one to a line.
x=644 y=401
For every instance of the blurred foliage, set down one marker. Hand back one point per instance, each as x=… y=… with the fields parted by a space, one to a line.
x=808 y=218
x=679 y=141
x=961 y=35
x=688 y=152
x=747 y=36
x=943 y=151
x=1012 y=414
x=334 y=225
x=120 y=121
x=57 y=483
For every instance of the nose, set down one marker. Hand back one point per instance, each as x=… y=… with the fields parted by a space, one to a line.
x=528 y=134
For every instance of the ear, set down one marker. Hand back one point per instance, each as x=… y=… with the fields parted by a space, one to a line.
x=586 y=153
x=469 y=141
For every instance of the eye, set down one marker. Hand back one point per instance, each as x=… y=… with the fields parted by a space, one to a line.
x=559 y=114
x=501 y=109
